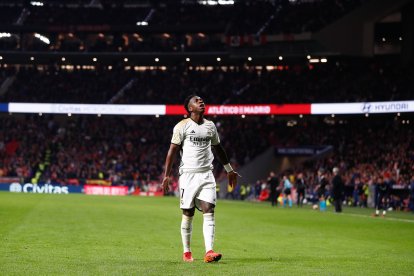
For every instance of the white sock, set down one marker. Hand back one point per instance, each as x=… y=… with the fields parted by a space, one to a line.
x=208 y=231
x=377 y=212
x=384 y=212
x=186 y=231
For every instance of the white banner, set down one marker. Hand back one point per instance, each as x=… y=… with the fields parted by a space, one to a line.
x=362 y=108
x=103 y=109
x=260 y=109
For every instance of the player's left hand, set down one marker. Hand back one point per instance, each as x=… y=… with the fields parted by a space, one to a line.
x=232 y=176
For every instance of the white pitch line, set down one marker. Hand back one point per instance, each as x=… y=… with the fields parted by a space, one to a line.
x=386 y=218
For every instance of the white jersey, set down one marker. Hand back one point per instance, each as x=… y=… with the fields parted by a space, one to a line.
x=195 y=141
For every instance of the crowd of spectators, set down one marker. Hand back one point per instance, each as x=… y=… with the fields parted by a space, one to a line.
x=131 y=150
x=365 y=152
x=115 y=42
x=54 y=86
x=335 y=81
x=118 y=149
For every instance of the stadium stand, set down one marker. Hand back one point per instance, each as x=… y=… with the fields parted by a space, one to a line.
x=105 y=27
x=352 y=81
x=130 y=151
x=82 y=86
x=122 y=150
x=93 y=144
x=243 y=17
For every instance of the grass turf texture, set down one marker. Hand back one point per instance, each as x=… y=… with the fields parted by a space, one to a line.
x=79 y=234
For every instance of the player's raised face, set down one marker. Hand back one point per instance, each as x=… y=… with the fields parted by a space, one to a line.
x=196 y=104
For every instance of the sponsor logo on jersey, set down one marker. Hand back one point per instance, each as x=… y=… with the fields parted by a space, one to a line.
x=199 y=139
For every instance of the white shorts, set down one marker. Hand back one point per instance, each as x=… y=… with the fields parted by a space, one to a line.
x=195 y=187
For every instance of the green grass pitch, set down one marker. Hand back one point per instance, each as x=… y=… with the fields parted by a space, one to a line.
x=99 y=235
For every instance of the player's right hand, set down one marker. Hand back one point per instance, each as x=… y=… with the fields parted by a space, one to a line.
x=166 y=184
x=232 y=177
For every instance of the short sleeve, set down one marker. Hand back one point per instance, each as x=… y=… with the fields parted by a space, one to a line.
x=215 y=140
x=177 y=137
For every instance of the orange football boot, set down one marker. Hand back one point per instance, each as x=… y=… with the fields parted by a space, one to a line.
x=212 y=256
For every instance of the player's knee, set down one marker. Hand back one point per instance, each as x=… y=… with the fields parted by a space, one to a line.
x=188 y=212
x=208 y=209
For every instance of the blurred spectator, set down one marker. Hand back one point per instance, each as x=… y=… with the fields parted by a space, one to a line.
x=382 y=197
x=274 y=183
x=287 y=191
x=337 y=190
x=412 y=194
x=300 y=189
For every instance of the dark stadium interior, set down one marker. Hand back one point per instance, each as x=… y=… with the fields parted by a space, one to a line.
x=248 y=52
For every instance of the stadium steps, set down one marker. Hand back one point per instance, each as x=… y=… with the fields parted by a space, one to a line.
x=7 y=83
x=256 y=169
x=118 y=95
x=260 y=167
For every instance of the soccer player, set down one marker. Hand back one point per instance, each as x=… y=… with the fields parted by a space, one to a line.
x=194 y=138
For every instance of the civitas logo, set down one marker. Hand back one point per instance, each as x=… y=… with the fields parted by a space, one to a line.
x=366 y=107
x=15 y=188
x=38 y=189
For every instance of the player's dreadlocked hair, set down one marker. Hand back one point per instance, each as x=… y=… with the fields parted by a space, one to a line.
x=187 y=101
